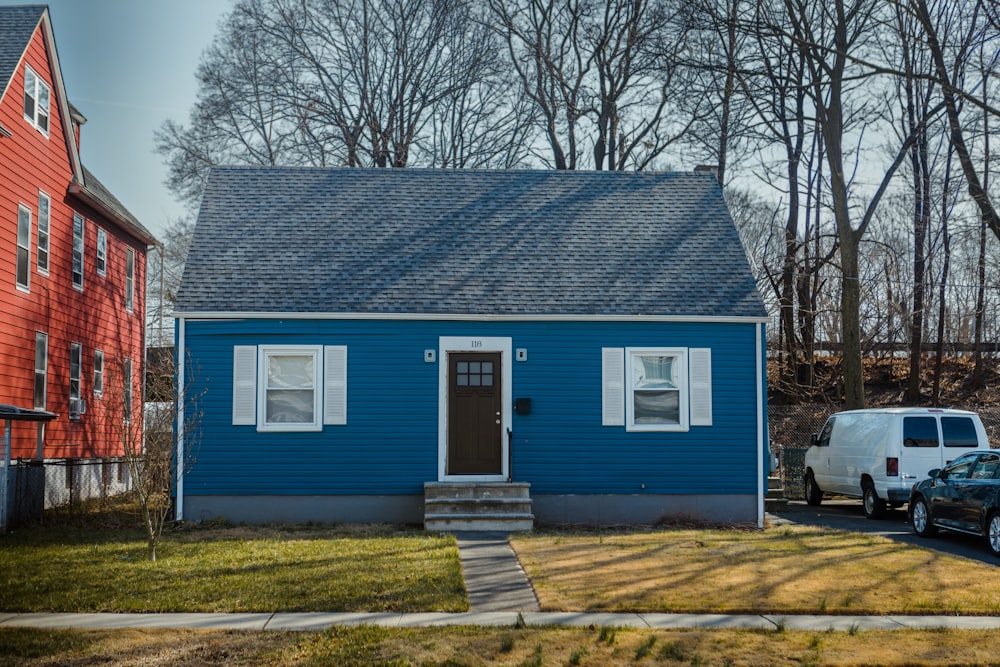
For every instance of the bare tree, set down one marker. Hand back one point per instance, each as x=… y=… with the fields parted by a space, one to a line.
x=353 y=83
x=607 y=79
x=727 y=68
x=545 y=42
x=952 y=92
x=146 y=436
x=165 y=267
x=830 y=33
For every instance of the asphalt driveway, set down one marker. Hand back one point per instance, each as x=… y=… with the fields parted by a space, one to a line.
x=848 y=515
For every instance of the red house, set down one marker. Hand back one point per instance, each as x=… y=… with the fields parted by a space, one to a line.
x=72 y=262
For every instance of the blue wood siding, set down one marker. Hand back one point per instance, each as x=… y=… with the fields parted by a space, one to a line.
x=390 y=442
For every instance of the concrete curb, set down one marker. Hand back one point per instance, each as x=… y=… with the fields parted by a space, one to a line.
x=318 y=621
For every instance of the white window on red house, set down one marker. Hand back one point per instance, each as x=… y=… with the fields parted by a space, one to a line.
x=44 y=206
x=77 y=251
x=36 y=101
x=129 y=279
x=75 y=354
x=102 y=252
x=23 y=274
x=98 y=372
x=127 y=389
x=41 y=369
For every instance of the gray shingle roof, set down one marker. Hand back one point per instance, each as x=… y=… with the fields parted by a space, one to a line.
x=101 y=193
x=17 y=24
x=438 y=242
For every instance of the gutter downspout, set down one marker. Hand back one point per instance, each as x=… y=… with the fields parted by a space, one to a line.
x=179 y=397
x=761 y=466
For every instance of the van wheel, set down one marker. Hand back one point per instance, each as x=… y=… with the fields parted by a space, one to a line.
x=814 y=495
x=993 y=533
x=874 y=506
x=920 y=519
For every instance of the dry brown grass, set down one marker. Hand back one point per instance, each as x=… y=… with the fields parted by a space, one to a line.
x=453 y=647
x=785 y=569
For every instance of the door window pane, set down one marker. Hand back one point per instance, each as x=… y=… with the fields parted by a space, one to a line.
x=474 y=373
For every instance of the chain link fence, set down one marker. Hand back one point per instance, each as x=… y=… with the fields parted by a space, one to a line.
x=65 y=486
x=792 y=426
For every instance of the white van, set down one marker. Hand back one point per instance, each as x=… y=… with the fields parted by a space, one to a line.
x=879 y=454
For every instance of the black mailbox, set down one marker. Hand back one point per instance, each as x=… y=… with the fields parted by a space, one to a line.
x=522 y=406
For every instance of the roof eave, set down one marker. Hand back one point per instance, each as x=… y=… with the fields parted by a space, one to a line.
x=478 y=317
x=91 y=199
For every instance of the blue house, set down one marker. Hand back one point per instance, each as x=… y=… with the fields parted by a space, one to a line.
x=468 y=347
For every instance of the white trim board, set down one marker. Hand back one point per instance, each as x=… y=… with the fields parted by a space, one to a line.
x=457 y=317
x=504 y=346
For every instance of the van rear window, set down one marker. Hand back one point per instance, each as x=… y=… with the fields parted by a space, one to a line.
x=920 y=432
x=959 y=432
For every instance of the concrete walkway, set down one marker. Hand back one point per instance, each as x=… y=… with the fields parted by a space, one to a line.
x=494 y=578
x=499 y=595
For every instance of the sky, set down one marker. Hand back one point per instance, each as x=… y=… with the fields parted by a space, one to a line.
x=128 y=66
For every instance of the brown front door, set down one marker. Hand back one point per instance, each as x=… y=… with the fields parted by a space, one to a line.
x=474 y=419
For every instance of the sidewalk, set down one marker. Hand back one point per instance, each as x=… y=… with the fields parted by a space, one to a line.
x=314 y=622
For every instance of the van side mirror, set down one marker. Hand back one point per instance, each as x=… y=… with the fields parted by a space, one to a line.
x=814 y=439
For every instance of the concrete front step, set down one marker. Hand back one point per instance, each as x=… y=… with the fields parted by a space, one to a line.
x=775 y=504
x=480 y=522
x=477 y=506
x=476 y=489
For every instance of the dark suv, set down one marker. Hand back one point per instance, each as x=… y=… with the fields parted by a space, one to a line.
x=963 y=496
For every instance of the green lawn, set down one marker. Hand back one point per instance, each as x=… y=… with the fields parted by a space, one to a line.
x=239 y=569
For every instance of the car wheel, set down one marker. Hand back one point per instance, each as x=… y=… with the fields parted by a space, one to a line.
x=920 y=518
x=874 y=506
x=993 y=533
x=814 y=495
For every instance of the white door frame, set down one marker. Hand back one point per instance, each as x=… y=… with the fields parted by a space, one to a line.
x=447 y=345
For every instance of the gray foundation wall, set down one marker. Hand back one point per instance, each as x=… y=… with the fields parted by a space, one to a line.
x=549 y=510
x=606 y=510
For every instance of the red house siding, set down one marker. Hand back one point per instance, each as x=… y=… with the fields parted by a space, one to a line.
x=95 y=317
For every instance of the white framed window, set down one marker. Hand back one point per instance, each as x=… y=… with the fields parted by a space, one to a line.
x=127 y=381
x=78 y=230
x=289 y=387
x=102 y=252
x=289 y=398
x=41 y=369
x=37 y=95
x=75 y=359
x=23 y=271
x=44 y=211
x=98 y=372
x=656 y=388
x=129 y=279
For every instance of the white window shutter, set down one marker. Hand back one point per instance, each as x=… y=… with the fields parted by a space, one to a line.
x=700 y=379
x=244 y=385
x=613 y=386
x=335 y=385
